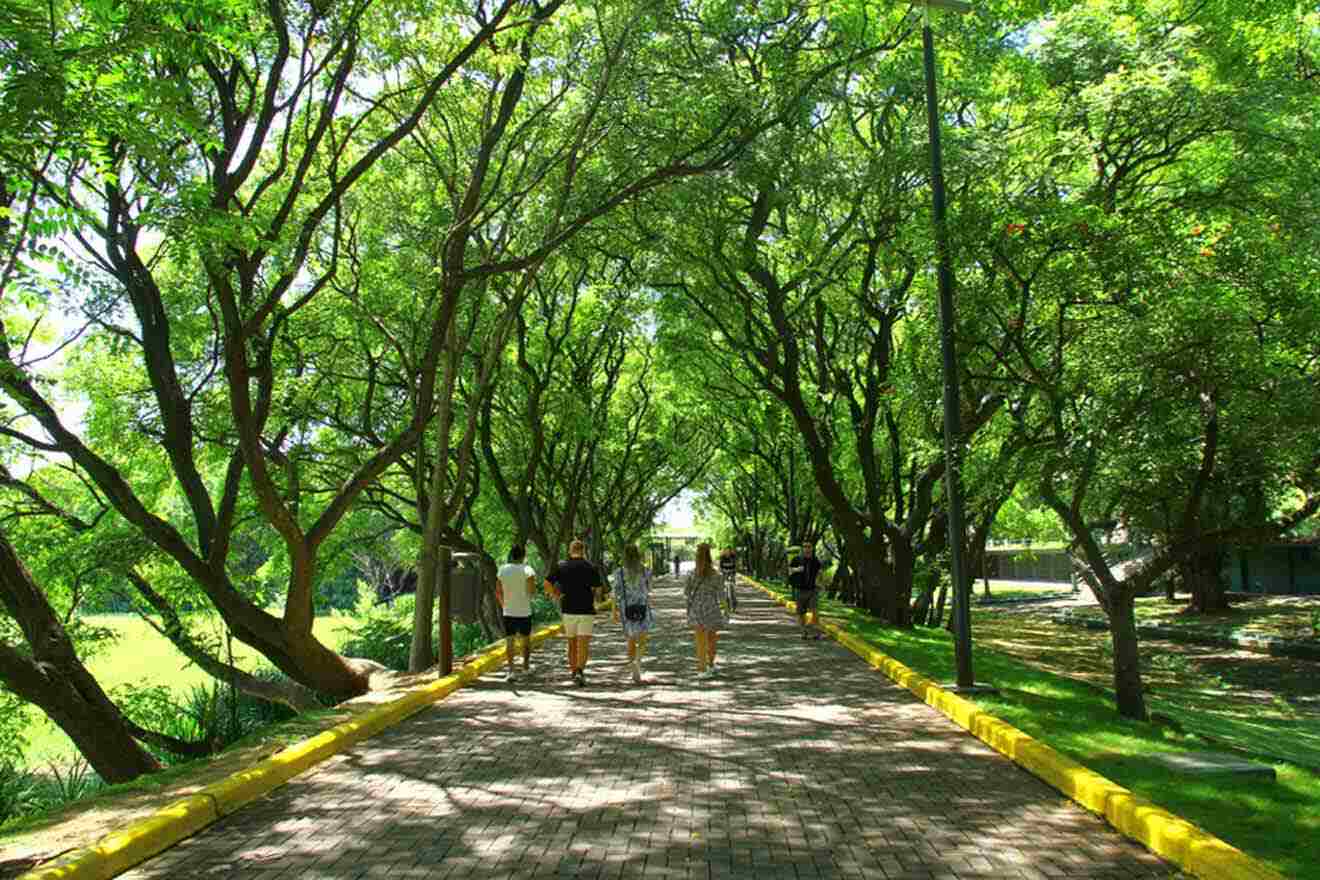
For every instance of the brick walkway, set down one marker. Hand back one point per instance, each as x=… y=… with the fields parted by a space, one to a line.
x=797 y=762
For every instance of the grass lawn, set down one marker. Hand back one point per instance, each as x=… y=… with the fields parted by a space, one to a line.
x=1006 y=590
x=1278 y=823
x=138 y=656
x=1283 y=617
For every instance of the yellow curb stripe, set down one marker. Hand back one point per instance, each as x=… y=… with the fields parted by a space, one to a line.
x=121 y=850
x=1171 y=837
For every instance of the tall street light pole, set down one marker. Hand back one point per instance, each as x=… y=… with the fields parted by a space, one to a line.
x=962 y=623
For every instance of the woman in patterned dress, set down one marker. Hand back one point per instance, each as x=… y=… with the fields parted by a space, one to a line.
x=632 y=587
x=704 y=589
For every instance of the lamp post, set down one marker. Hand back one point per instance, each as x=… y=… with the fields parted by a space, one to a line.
x=962 y=624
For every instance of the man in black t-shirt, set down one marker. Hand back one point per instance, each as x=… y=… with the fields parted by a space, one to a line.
x=575 y=581
x=803 y=570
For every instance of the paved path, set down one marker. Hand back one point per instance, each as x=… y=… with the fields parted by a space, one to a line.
x=799 y=761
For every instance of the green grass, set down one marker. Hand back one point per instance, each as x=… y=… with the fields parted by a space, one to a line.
x=137 y=655
x=1278 y=824
x=1284 y=617
x=1044 y=591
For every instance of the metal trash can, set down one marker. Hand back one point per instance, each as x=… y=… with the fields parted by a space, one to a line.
x=464 y=587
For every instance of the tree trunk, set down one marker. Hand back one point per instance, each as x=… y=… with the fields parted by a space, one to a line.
x=1127 y=667
x=921 y=608
x=938 y=617
x=488 y=607
x=55 y=680
x=1200 y=574
x=900 y=599
x=873 y=580
x=421 y=655
x=72 y=699
x=291 y=694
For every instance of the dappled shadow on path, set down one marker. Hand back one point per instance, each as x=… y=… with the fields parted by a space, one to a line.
x=797 y=761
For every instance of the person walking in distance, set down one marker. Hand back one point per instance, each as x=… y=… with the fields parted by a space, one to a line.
x=729 y=569
x=803 y=570
x=514 y=583
x=704 y=588
x=632 y=605
x=574 y=582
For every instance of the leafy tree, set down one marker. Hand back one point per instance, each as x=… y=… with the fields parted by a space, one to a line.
x=1144 y=361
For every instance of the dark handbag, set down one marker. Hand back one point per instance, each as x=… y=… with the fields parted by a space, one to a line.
x=635 y=613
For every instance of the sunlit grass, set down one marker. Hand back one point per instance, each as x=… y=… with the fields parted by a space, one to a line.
x=139 y=656
x=1285 y=617
x=1275 y=822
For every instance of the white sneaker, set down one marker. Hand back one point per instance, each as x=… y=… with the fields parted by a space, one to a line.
x=706 y=674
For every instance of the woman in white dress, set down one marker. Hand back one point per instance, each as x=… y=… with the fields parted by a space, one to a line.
x=704 y=589
x=631 y=585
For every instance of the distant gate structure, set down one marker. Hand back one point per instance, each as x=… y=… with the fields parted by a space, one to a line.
x=1281 y=568
x=663 y=548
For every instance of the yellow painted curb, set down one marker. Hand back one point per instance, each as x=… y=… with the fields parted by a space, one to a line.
x=121 y=850
x=1172 y=837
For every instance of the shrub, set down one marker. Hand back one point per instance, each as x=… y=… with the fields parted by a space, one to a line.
x=214 y=713
x=544 y=609
x=25 y=792
x=17 y=791
x=13 y=723
x=381 y=637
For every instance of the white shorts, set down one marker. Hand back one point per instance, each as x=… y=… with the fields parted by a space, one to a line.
x=578 y=624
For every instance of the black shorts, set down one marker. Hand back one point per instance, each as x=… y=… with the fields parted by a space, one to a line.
x=806 y=600
x=517 y=626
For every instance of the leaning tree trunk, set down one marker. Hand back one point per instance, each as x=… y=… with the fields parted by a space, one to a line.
x=54 y=679
x=71 y=698
x=1127 y=667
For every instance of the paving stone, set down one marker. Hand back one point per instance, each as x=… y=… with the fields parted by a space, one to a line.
x=797 y=762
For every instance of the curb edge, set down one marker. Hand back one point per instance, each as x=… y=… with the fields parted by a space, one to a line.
x=120 y=850
x=1163 y=833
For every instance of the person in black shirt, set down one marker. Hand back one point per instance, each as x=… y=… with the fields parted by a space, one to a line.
x=803 y=570
x=574 y=582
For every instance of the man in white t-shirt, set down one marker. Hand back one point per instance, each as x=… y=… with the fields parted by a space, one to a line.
x=513 y=588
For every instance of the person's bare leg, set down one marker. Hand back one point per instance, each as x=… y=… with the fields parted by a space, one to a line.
x=527 y=652
x=584 y=651
x=572 y=655
x=699 y=634
x=637 y=660
x=712 y=641
x=508 y=651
